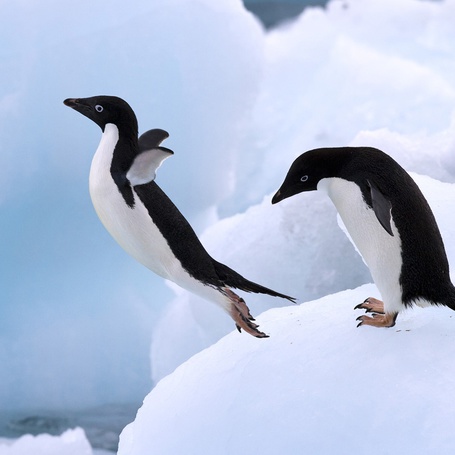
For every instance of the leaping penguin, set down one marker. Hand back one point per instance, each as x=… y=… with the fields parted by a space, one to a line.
x=389 y=221
x=144 y=221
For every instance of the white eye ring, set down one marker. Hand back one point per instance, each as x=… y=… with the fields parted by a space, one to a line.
x=304 y=178
x=99 y=108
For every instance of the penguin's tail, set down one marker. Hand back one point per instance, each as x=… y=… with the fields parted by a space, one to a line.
x=233 y=279
x=450 y=299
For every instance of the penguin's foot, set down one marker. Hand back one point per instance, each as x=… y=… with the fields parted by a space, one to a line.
x=371 y=305
x=378 y=320
x=242 y=316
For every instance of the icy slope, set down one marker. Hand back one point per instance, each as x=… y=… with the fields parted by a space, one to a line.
x=317 y=385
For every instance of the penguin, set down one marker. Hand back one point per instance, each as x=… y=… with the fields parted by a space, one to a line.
x=144 y=221
x=388 y=220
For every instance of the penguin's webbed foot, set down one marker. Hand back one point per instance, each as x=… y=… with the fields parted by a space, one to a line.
x=371 y=305
x=378 y=318
x=242 y=316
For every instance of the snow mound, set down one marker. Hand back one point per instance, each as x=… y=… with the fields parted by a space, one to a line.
x=317 y=385
x=71 y=442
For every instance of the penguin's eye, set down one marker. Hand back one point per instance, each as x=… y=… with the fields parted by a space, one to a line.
x=99 y=108
x=304 y=178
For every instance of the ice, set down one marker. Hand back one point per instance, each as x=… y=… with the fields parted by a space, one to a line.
x=71 y=442
x=317 y=385
x=330 y=75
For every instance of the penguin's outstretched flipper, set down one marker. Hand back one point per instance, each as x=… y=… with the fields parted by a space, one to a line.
x=151 y=156
x=151 y=139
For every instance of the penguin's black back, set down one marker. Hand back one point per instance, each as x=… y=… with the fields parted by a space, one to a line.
x=178 y=233
x=186 y=246
x=425 y=268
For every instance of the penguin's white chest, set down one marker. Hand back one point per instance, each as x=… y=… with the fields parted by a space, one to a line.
x=132 y=228
x=380 y=251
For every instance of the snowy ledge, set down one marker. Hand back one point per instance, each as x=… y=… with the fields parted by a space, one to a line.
x=71 y=442
x=317 y=385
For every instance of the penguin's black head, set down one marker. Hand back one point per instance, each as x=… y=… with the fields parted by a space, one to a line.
x=105 y=109
x=307 y=171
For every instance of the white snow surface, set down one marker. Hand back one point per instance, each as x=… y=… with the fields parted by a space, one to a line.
x=317 y=385
x=71 y=442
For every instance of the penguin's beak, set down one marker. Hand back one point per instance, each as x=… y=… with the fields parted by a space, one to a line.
x=283 y=193
x=278 y=197
x=70 y=102
x=78 y=105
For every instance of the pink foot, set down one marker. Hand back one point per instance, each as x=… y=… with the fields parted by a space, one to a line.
x=241 y=315
x=371 y=305
x=378 y=317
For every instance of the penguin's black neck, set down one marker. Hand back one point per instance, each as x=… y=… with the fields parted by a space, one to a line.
x=125 y=151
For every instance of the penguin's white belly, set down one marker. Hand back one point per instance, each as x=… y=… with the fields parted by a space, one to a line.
x=380 y=251
x=132 y=228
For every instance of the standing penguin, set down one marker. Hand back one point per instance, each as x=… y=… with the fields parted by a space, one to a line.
x=144 y=221
x=389 y=221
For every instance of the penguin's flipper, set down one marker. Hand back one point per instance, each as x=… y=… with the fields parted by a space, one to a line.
x=151 y=139
x=144 y=167
x=382 y=207
x=233 y=279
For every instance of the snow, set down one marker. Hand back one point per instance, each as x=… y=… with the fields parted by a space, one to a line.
x=71 y=442
x=77 y=315
x=317 y=385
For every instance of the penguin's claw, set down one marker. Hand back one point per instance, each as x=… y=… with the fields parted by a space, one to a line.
x=371 y=305
x=242 y=316
x=378 y=320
